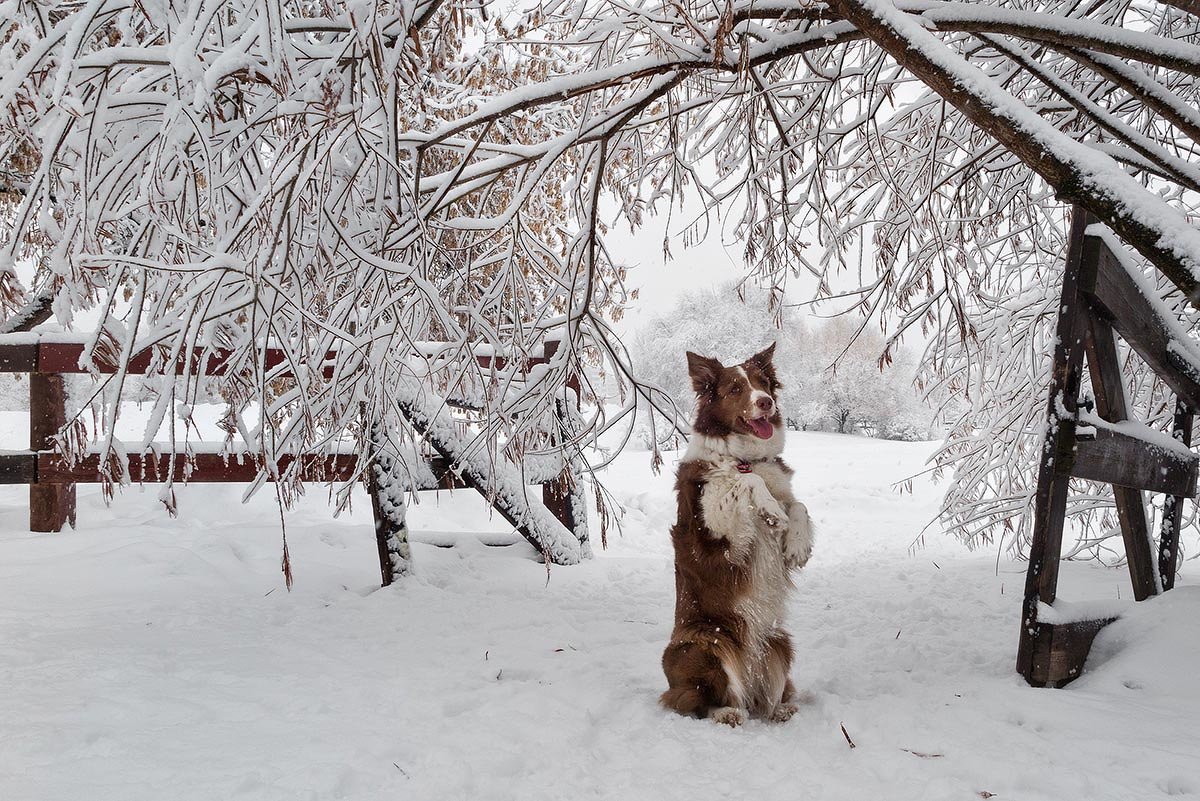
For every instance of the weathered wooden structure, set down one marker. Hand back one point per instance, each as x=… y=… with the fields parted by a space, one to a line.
x=1101 y=298
x=52 y=480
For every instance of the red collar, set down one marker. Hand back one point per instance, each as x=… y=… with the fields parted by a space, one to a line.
x=745 y=467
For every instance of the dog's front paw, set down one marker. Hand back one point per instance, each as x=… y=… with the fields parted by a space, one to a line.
x=771 y=517
x=783 y=713
x=769 y=511
x=729 y=715
x=796 y=551
x=798 y=542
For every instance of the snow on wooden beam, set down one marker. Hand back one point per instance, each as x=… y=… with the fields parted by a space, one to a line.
x=1131 y=455
x=36 y=311
x=1126 y=300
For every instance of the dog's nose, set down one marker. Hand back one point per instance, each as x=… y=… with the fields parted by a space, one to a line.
x=764 y=402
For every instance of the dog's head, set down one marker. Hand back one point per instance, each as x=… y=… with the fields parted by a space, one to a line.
x=738 y=400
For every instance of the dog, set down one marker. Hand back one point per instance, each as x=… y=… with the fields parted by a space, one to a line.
x=739 y=533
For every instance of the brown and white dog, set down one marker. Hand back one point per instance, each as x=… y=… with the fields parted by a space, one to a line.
x=739 y=533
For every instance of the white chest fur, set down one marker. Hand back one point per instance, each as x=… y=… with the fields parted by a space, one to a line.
x=749 y=511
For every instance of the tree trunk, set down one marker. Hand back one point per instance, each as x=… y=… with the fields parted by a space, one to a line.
x=387 y=488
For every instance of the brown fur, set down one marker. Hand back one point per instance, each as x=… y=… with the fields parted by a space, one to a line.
x=715 y=645
x=724 y=396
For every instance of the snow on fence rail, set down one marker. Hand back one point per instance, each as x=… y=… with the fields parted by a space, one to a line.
x=553 y=523
x=1104 y=292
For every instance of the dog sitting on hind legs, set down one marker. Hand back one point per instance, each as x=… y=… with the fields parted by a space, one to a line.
x=739 y=533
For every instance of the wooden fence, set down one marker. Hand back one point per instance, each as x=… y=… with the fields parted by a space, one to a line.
x=1104 y=296
x=47 y=358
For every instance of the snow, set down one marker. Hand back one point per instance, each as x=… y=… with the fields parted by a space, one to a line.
x=149 y=658
x=1160 y=440
x=1081 y=611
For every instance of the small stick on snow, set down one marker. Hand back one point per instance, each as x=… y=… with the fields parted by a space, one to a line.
x=402 y=770
x=846 y=734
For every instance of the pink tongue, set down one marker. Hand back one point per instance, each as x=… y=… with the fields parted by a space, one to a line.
x=761 y=427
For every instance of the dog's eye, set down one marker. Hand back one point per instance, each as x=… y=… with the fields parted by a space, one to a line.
x=736 y=389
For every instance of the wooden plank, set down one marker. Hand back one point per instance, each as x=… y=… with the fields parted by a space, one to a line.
x=556 y=496
x=1111 y=404
x=1125 y=461
x=18 y=468
x=1119 y=299
x=50 y=507
x=1060 y=651
x=1168 y=548
x=1050 y=500
x=21 y=358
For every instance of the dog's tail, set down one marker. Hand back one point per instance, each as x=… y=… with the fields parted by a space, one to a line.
x=685 y=701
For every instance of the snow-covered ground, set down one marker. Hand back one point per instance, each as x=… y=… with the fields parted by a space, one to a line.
x=150 y=658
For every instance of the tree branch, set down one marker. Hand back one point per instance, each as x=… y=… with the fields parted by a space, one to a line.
x=1079 y=175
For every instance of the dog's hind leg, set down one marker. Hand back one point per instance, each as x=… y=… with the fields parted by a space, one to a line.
x=779 y=687
x=699 y=684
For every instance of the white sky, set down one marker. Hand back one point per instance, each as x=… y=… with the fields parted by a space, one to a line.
x=702 y=265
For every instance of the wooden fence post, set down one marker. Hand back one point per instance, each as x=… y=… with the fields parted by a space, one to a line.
x=1172 y=519
x=564 y=496
x=1108 y=387
x=1041 y=581
x=51 y=506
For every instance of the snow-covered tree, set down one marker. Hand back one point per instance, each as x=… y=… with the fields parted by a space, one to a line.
x=726 y=322
x=844 y=385
x=283 y=181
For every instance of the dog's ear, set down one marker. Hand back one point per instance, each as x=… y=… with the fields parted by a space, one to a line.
x=764 y=360
x=704 y=372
